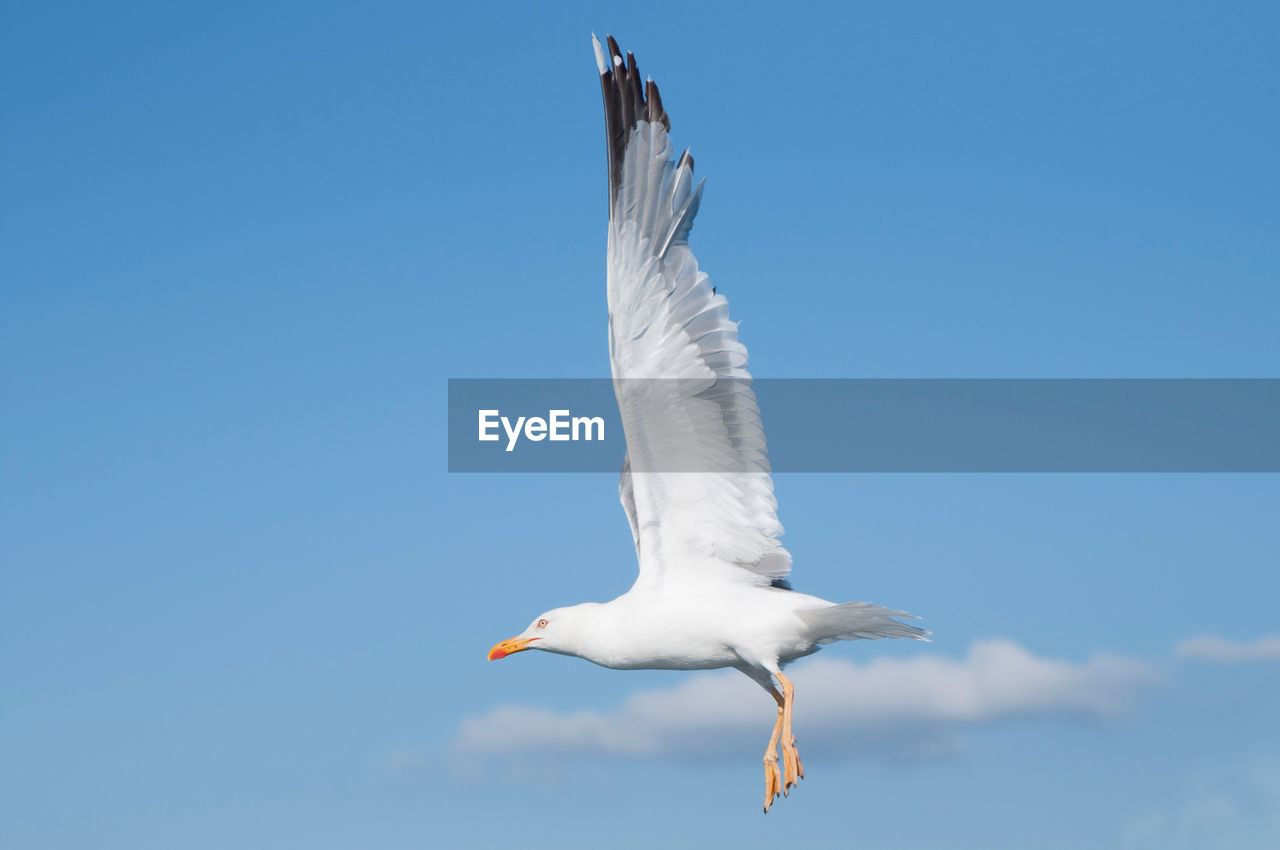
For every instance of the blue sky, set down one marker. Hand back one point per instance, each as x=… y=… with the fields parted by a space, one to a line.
x=244 y=248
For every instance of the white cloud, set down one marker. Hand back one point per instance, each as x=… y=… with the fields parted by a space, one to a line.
x=1224 y=651
x=909 y=706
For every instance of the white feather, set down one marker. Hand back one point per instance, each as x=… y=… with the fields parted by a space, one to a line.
x=698 y=491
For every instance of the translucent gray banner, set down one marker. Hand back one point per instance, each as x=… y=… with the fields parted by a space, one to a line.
x=857 y=425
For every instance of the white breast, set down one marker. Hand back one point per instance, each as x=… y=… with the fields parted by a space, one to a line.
x=700 y=630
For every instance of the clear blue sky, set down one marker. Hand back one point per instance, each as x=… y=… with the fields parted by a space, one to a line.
x=244 y=246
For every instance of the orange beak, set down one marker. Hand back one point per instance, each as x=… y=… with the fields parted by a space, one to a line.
x=506 y=647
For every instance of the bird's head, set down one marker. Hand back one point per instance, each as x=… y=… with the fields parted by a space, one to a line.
x=561 y=630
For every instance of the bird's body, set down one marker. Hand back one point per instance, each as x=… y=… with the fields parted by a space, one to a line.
x=695 y=630
x=712 y=590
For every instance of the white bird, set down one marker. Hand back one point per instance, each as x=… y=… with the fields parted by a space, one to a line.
x=712 y=590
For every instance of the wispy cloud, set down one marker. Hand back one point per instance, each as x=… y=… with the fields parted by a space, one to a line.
x=908 y=706
x=1235 y=804
x=1224 y=651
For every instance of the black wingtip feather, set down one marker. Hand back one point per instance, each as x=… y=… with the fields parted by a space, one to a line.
x=627 y=101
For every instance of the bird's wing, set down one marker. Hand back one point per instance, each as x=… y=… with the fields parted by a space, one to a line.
x=679 y=370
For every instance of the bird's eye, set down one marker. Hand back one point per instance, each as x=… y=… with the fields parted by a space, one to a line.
x=542 y=624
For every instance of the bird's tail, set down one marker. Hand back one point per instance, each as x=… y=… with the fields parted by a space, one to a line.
x=858 y=620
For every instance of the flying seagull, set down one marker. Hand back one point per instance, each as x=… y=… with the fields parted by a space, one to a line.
x=713 y=588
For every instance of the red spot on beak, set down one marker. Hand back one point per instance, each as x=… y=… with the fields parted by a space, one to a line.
x=506 y=647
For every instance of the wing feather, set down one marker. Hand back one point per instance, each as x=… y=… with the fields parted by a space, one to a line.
x=695 y=486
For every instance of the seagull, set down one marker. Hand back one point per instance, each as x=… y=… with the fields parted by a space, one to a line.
x=713 y=588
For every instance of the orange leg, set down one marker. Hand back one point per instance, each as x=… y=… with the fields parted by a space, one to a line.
x=792 y=767
x=772 y=778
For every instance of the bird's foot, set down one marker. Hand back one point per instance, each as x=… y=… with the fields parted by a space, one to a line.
x=772 y=780
x=792 y=766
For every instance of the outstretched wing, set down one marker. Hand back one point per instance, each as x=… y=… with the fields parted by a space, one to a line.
x=696 y=483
